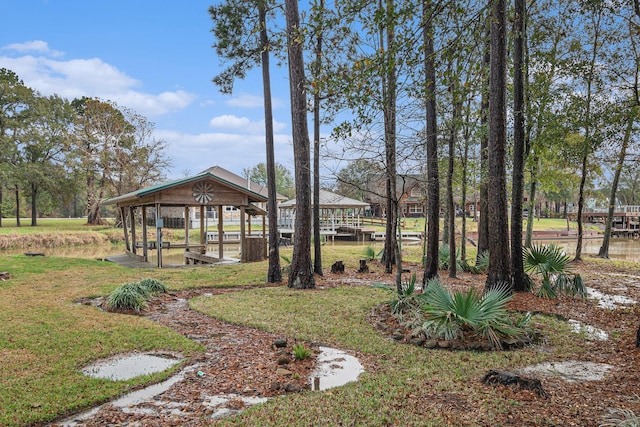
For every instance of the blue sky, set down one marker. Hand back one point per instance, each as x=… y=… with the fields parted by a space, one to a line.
x=154 y=58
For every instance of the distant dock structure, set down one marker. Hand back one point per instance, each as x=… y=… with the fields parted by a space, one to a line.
x=340 y=217
x=626 y=219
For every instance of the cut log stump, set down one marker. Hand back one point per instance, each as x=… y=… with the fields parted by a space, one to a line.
x=4 y=275
x=508 y=378
x=364 y=268
x=337 y=267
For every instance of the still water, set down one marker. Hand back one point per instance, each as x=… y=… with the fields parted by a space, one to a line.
x=623 y=249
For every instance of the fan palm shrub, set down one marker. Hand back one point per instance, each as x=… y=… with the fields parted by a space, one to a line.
x=455 y=315
x=553 y=265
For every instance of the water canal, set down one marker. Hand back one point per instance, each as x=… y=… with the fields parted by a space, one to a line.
x=621 y=249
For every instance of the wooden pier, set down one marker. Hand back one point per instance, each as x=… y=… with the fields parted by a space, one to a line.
x=626 y=219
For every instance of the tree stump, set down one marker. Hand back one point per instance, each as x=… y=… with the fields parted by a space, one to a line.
x=508 y=378
x=364 y=268
x=337 y=267
x=4 y=275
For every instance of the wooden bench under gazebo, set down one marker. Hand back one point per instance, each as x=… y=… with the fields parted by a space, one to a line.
x=197 y=192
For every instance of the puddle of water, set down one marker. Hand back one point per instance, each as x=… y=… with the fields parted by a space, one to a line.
x=335 y=368
x=129 y=400
x=590 y=331
x=128 y=367
x=609 y=301
x=571 y=371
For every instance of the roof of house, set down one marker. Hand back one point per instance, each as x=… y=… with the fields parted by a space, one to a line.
x=331 y=200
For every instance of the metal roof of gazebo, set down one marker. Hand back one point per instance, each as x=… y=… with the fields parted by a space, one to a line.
x=329 y=200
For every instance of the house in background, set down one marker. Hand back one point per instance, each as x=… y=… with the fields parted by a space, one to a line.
x=411 y=191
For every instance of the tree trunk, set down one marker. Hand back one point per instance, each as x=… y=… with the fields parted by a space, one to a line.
x=483 y=221
x=17 y=192
x=532 y=201
x=389 y=106
x=91 y=200
x=274 y=273
x=34 y=204
x=433 y=184
x=301 y=271
x=317 y=247
x=517 y=183
x=455 y=119
x=445 y=211
x=588 y=136
x=499 y=258
x=583 y=180
x=0 y=205
x=465 y=186
x=604 y=249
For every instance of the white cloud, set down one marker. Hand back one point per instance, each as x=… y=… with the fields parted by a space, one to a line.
x=253 y=101
x=36 y=46
x=243 y=124
x=229 y=122
x=155 y=105
x=96 y=79
x=246 y=101
x=233 y=151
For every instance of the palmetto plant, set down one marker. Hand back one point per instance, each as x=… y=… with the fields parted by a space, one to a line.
x=404 y=297
x=371 y=254
x=452 y=315
x=621 y=418
x=553 y=265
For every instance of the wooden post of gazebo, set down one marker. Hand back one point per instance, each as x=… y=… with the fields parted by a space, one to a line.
x=123 y=214
x=243 y=243
x=186 y=228
x=264 y=234
x=203 y=232
x=132 y=218
x=159 y=225
x=145 y=245
x=220 y=234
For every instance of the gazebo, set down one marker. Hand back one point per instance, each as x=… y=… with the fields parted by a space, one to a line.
x=200 y=192
x=340 y=216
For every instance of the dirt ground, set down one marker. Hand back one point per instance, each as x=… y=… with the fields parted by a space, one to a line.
x=243 y=363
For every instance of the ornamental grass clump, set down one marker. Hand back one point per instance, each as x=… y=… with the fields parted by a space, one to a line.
x=153 y=286
x=128 y=297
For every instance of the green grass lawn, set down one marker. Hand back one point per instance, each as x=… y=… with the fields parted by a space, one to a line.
x=46 y=338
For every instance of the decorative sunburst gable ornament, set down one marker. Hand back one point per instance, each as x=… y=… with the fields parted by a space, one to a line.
x=203 y=192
